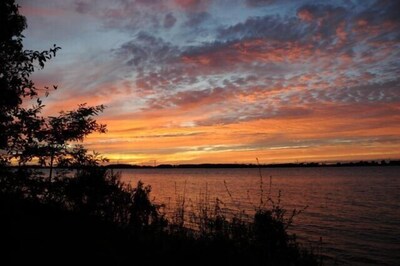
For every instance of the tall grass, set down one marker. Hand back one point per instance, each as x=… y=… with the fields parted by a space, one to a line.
x=195 y=230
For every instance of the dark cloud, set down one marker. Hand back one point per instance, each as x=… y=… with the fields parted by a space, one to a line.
x=269 y=27
x=325 y=18
x=324 y=12
x=382 y=20
x=124 y=15
x=373 y=92
x=82 y=7
x=169 y=21
x=145 y=50
x=381 y=11
x=146 y=2
x=256 y=112
x=369 y=93
x=195 y=19
x=191 y=99
x=258 y=3
x=307 y=103
x=316 y=25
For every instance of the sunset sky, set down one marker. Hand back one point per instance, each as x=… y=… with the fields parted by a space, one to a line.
x=226 y=81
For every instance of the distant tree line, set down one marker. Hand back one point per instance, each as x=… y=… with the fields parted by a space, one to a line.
x=277 y=165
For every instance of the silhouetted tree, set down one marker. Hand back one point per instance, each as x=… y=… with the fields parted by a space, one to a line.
x=16 y=67
x=24 y=133
x=51 y=140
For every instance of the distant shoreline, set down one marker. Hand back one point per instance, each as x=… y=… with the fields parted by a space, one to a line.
x=382 y=163
x=282 y=165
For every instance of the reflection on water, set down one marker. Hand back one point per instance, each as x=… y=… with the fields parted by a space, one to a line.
x=355 y=210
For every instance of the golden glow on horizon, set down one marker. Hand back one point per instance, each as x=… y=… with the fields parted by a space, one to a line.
x=272 y=140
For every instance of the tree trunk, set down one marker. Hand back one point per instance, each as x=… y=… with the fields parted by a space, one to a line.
x=51 y=164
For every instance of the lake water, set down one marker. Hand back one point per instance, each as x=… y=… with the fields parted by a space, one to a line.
x=354 y=210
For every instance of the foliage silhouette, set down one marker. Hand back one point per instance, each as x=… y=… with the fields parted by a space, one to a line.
x=24 y=133
x=51 y=140
x=16 y=67
x=128 y=219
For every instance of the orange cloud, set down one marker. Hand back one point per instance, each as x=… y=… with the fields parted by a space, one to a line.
x=341 y=32
x=41 y=11
x=305 y=15
x=251 y=51
x=193 y=5
x=325 y=135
